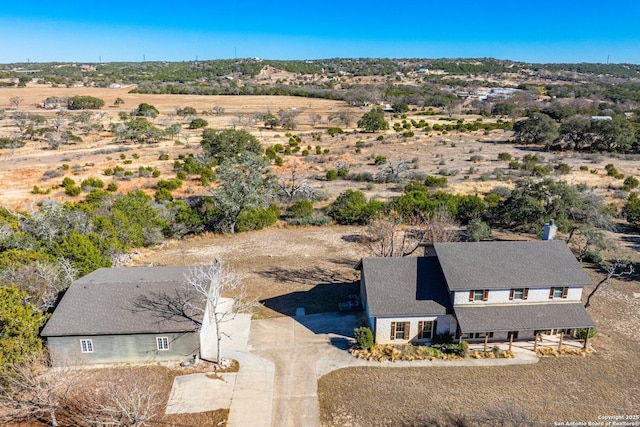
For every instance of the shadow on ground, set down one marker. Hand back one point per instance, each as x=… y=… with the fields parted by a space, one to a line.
x=304 y=276
x=321 y=298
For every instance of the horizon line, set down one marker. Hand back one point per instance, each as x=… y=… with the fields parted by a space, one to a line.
x=256 y=58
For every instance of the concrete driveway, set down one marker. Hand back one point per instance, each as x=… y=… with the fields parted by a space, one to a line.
x=282 y=361
x=295 y=347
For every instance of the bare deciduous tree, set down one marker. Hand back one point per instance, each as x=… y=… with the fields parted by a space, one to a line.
x=212 y=282
x=344 y=117
x=218 y=110
x=42 y=280
x=392 y=171
x=30 y=390
x=315 y=119
x=441 y=227
x=288 y=118
x=130 y=404
x=296 y=187
x=390 y=236
x=15 y=102
x=618 y=267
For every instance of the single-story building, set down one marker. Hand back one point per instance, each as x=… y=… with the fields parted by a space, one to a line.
x=475 y=291
x=136 y=314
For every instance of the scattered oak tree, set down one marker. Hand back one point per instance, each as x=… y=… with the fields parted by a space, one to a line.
x=373 y=121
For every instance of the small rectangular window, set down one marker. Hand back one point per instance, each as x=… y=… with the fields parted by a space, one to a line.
x=400 y=331
x=559 y=292
x=86 y=346
x=163 y=343
x=426 y=332
x=478 y=295
x=518 y=293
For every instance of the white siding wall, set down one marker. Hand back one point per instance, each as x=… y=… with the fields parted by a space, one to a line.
x=446 y=324
x=501 y=296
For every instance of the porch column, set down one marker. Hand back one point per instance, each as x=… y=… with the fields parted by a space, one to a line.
x=535 y=341
x=560 y=341
x=586 y=339
x=510 y=340
x=486 y=340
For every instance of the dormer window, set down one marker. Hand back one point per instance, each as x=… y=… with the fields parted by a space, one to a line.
x=519 y=293
x=558 y=293
x=479 y=295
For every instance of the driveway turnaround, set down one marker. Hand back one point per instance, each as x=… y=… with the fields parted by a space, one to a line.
x=279 y=368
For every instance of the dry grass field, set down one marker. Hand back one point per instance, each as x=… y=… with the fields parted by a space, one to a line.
x=470 y=159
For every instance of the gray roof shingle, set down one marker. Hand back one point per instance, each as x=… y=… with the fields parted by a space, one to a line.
x=504 y=265
x=523 y=317
x=124 y=301
x=405 y=286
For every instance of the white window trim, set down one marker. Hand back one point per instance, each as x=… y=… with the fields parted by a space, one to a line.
x=162 y=343
x=432 y=332
x=86 y=345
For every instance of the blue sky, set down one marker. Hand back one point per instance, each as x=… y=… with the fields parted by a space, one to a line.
x=117 y=30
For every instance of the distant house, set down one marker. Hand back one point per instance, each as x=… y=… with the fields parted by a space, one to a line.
x=600 y=118
x=475 y=291
x=136 y=314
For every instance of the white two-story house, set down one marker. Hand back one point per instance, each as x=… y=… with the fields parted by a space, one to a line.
x=474 y=291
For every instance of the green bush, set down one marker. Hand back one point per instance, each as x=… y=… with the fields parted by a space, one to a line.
x=504 y=156
x=257 y=219
x=162 y=195
x=581 y=333
x=92 y=183
x=301 y=209
x=198 y=124
x=85 y=103
x=112 y=187
x=334 y=131
x=352 y=207
x=146 y=110
x=72 y=190
x=163 y=156
x=186 y=111
x=170 y=184
x=364 y=338
x=613 y=171
x=563 y=168
x=332 y=175
x=477 y=230
x=630 y=183
x=38 y=190
x=379 y=160
x=279 y=161
x=68 y=182
x=436 y=181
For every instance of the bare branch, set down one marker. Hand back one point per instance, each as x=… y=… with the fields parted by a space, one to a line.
x=618 y=267
x=213 y=282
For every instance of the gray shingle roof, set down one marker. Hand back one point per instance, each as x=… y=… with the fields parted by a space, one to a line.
x=124 y=301
x=522 y=317
x=405 y=286
x=503 y=265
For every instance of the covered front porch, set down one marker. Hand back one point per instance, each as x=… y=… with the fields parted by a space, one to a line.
x=528 y=325
x=544 y=340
